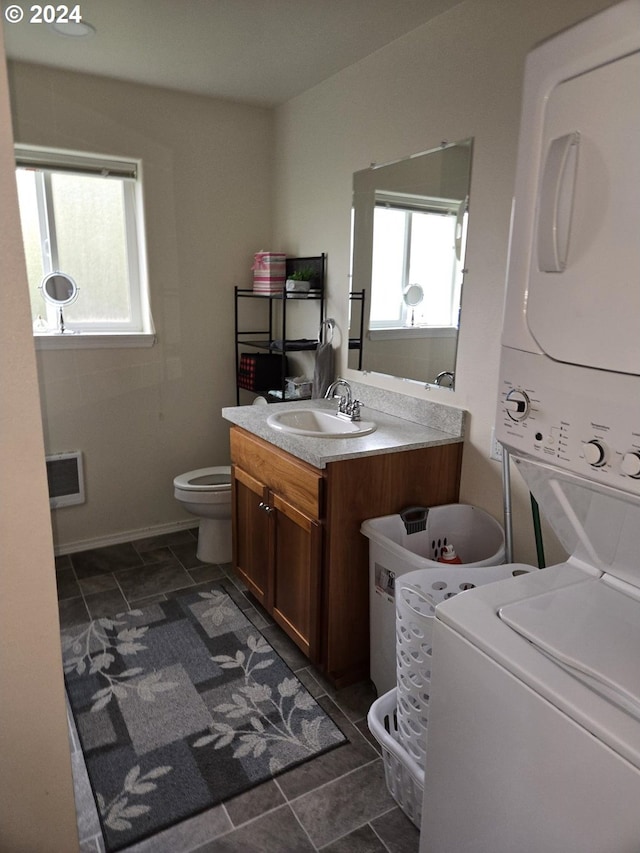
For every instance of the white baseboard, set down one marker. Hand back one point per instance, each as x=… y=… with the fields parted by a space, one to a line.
x=126 y=536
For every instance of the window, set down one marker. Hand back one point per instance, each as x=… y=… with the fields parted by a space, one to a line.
x=416 y=242
x=82 y=216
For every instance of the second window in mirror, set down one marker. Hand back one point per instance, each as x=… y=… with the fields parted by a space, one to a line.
x=417 y=262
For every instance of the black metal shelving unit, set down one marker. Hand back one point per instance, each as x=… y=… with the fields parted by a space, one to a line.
x=272 y=337
x=356 y=343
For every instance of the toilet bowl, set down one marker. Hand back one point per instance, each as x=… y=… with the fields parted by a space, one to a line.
x=206 y=492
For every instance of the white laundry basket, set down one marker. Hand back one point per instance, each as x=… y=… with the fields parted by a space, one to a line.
x=413 y=540
x=398 y=719
x=405 y=780
x=417 y=594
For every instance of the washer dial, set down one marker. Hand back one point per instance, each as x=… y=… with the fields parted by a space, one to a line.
x=517 y=404
x=595 y=452
x=630 y=464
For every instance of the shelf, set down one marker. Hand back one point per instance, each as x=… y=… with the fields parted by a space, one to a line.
x=284 y=399
x=282 y=296
x=274 y=347
x=312 y=295
x=356 y=343
x=269 y=332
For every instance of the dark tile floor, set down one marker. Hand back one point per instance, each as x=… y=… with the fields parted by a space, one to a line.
x=337 y=803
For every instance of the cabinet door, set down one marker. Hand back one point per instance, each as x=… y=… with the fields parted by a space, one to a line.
x=251 y=533
x=297 y=542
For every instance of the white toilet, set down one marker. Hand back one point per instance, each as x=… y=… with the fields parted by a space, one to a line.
x=206 y=493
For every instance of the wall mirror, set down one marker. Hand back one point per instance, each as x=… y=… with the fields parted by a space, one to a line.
x=407 y=255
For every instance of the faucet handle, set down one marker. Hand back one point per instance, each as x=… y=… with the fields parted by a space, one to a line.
x=355 y=410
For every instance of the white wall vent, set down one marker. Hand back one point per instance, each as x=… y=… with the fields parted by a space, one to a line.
x=66 y=478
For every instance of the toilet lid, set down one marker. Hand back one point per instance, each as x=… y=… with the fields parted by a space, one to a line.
x=204 y=480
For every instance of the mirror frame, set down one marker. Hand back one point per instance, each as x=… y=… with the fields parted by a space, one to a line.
x=52 y=300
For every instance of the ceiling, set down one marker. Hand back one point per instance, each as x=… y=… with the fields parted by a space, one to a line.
x=256 y=51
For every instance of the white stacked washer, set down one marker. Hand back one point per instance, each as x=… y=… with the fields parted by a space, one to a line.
x=534 y=727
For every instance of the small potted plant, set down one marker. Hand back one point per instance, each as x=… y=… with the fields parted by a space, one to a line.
x=299 y=282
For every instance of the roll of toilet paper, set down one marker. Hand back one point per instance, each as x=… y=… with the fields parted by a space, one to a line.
x=260 y=401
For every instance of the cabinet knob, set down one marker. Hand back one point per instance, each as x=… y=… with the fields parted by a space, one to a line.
x=265 y=507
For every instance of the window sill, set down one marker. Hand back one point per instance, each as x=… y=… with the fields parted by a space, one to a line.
x=86 y=340
x=400 y=332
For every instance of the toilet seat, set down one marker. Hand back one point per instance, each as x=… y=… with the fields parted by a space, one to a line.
x=217 y=479
x=206 y=493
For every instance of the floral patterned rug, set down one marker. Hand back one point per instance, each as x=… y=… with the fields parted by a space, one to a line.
x=181 y=706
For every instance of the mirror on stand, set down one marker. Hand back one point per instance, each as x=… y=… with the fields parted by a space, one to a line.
x=59 y=290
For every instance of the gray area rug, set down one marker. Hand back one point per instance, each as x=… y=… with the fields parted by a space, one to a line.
x=180 y=706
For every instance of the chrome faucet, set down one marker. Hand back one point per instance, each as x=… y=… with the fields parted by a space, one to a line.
x=345 y=399
x=446 y=374
x=347 y=406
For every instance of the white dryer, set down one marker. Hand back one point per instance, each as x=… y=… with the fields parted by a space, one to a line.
x=533 y=743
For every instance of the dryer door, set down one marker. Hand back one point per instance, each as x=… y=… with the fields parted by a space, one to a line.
x=584 y=291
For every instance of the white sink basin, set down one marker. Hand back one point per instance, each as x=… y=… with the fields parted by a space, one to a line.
x=318 y=424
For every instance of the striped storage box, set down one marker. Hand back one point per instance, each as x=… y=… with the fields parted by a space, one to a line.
x=269 y=272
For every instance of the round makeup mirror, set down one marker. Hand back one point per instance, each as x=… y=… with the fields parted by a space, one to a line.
x=59 y=289
x=413 y=294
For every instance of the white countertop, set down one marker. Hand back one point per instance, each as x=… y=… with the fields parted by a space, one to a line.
x=392 y=434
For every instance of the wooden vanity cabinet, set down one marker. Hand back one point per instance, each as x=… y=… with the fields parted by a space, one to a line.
x=250 y=499
x=296 y=551
x=297 y=543
x=277 y=535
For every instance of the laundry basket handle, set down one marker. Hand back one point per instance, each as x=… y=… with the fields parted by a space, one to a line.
x=415 y=518
x=419 y=594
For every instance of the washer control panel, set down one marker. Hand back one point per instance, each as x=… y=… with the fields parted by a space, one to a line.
x=576 y=426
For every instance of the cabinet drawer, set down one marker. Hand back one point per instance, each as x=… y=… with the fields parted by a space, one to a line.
x=294 y=480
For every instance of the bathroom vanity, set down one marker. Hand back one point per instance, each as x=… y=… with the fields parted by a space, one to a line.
x=298 y=504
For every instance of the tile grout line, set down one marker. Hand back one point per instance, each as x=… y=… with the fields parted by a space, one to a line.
x=304 y=829
x=292 y=800
x=82 y=593
x=285 y=805
x=324 y=785
x=199 y=845
x=349 y=831
x=376 y=833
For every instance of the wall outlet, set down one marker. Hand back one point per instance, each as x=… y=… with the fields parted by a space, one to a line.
x=496 y=447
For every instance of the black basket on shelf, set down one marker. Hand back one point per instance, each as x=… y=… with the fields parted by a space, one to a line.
x=259 y=371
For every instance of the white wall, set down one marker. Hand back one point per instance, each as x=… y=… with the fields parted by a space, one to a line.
x=458 y=76
x=141 y=416
x=36 y=794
